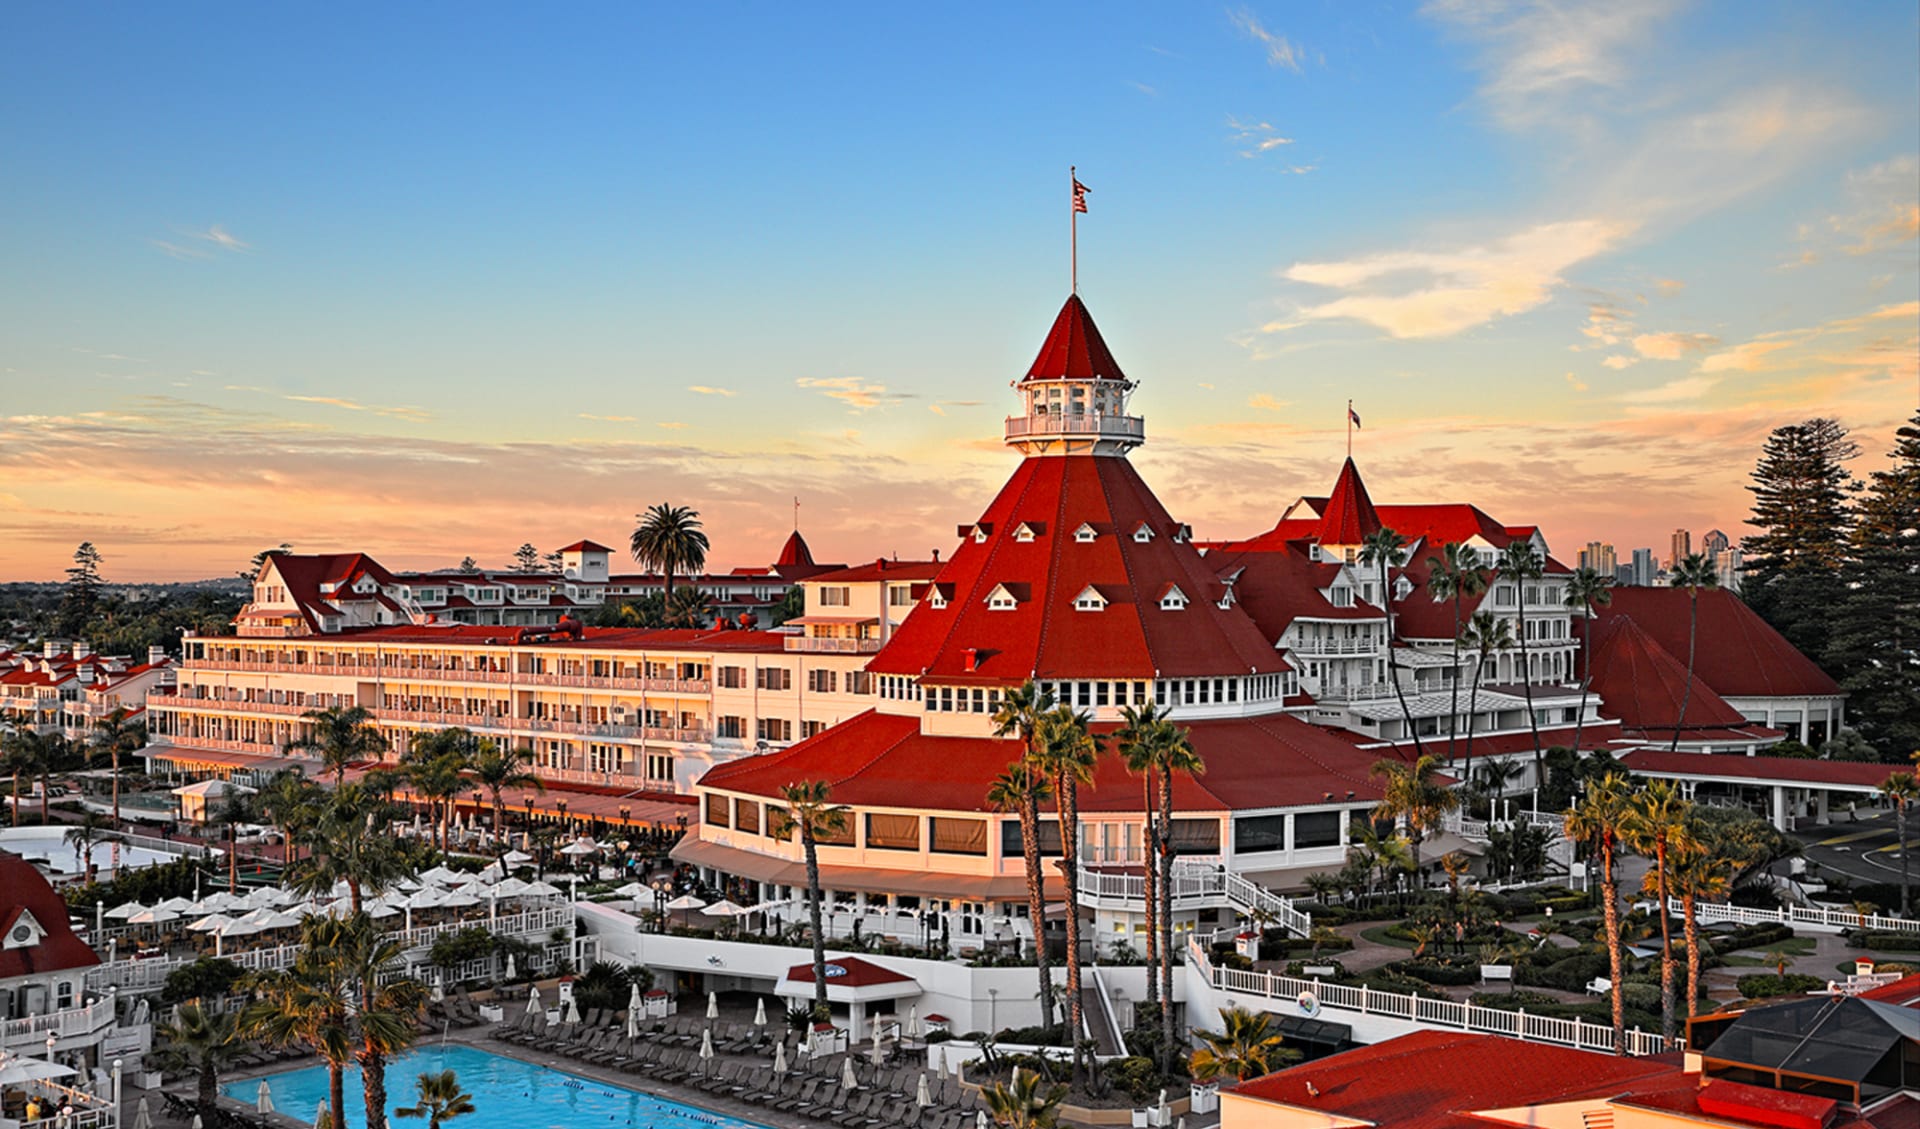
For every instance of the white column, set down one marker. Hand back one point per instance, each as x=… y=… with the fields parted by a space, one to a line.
x=1780 y=807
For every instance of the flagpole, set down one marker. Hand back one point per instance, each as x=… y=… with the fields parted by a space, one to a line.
x=1349 y=429
x=1073 y=226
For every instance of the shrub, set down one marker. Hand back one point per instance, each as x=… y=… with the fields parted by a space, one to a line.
x=1888 y=942
x=1763 y=985
x=1438 y=972
x=1571 y=973
x=1752 y=937
x=1055 y=1036
x=1136 y=1075
x=207 y=978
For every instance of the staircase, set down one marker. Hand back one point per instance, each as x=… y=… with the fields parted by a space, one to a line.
x=1197 y=884
x=1096 y=1013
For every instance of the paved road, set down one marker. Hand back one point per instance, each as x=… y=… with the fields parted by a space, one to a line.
x=1866 y=850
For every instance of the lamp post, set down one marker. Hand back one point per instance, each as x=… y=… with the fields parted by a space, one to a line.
x=478 y=798
x=661 y=888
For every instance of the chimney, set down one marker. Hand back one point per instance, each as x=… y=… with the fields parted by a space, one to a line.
x=880 y=563
x=936 y=556
x=81 y=649
x=53 y=648
x=973 y=658
x=156 y=656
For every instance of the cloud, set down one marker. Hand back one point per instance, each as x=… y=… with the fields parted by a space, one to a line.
x=857 y=394
x=671 y=425
x=939 y=407
x=1669 y=285
x=176 y=251
x=707 y=390
x=1266 y=403
x=1438 y=293
x=415 y=414
x=1281 y=52
x=1618 y=362
x=222 y=238
x=1145 y=89
x=1684 y=388
x=1882 y=210
x=607 y=419
x=244 y=388
x=1255 y=138
x=1576 y=383
x=1672 y=346
x=1536 y=52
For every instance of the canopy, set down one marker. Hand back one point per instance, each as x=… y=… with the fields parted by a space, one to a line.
x=125 y=911
x=15 y=1069
x=212 y=923
x=579 y=848
x=686 y=901
x=723 y=908
x=516 y=858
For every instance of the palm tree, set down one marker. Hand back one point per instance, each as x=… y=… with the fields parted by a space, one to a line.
x=1692 y=572
x=341 y=737
x=57 y=754
x=348 y=843
x=201 y=1041
x=1409 y=792
x=307 y=1004
x=808 y=810
x=1903 y=788
x=1024 y=1103
x=669 y=538
x=291 y=803
x=1385 y=549
x=82 y=836
x=234 y=809
x=22 y=747
x=1179 y=756
x=1522 y=565
x=1019 y=715
x=1021 y=789
x=1068 y=752
x=1586 y=591
x=1656 y=818
x=386 y=1012
x=1455 y=574
x=1140 y=738
x=1702 y=870
x=1486 y=634
x=440 y=1099
x=436 y=763
x=114 y=735
x=1600 y=820
x=1248 y=1047
x=496 y=768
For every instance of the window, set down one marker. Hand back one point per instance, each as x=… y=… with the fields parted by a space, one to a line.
x=1001 y=600
x=660 y=767
x=1089 y=600
x=774 y=678
x=811 y=728
x=1342 y=597
x=1023 y=533
x=733 y=677
x=899 y=595
x=1316 y=829
x=823 y=681
x=1503 y=596
x=1173 y=599
x=859 y=682
x=776 y=819
x=746 y=817
x=775 y=729
x=936 y=598
x=730 y=726
x=893 y=832
x=835 y=596
x=1142 y=533
x=952 y=836
x=1260 y=833
x=1010 y=838
x=716 y=810
x=1084 y=534
x=1196 y=836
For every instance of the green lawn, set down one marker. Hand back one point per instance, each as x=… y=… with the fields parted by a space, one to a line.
x=1378 y=935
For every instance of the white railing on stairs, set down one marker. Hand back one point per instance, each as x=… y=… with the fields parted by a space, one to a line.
x=1196 y=885
x=1107 y=1016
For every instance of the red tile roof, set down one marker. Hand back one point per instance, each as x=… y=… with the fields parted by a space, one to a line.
x=1349 y=516
x=794 y=552
x=1643 y=685
x=1044 y=636
x=1904 y=992
x=1863 y=774
x=1738 y=653
x=855 y=973
x=1437 y=1079
x=585 y=547
x=1276 y=588
x=880 y=760
x=1074 y=349
x=880 y=570
x=24 y=888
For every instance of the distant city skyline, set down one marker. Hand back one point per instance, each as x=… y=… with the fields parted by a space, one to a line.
x=432 y=284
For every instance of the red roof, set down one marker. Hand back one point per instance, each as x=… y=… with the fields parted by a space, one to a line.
x=1276 y=588
x=1074 y=349
x=881 y=569
x=1349 y=515
x=1438 y=1079
x=1643 y=685
x=1904 y=992
x=585 y=547
x=22 y=888
x=1737 y=652
x=1044 y=636
x=1862 y=774
x=856 y=973
x=794 y=552
x=882 y=760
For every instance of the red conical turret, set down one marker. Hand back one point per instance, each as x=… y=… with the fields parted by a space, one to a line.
x=1349 y=516
x=795 y=552
x=1074 y=349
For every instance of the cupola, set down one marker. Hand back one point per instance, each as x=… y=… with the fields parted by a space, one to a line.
x=1074 y=396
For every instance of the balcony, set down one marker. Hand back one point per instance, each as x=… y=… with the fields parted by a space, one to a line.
x=23 y=1036
x=1129 y=428
x=1319 y=647
x=832 y=646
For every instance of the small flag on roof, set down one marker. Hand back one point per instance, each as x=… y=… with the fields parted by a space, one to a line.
x=1079 y=195
x=1353 y=415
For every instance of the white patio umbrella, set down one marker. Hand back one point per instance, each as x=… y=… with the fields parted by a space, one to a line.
x=533 y=990
x=937 y=1060
x=878 y=1054
x=1161 y=1114
x=635 y=1005
x=383 y=911
x=723 y=908
x=511 y=974
x=921 y=1096
x=980 y=1119
x=322 y=1116
x=125 y=910
x=263 y=1098
x=274 y=919
x=510 y=888
x=578 y=848
x=427 y=898
x=847 y=1080
x=142 y=1116
x=780 y=1059
x=760 y=1012
x=155 y=916
x=197 y=1123
x=913 y=1022
x=442 y=876
x=713 y=1005
x=540 y=890
x=633 y=1023
x=706 y=1046
x=632 y=890
x=212 y=923
x=573 y=1011
x=517 y=858
x=15 y=1069
x=459 y=899
x=176 y=904
x=686 y=901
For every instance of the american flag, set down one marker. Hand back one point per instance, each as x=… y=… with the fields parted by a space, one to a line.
x=1079 y=196
x=1353 y=415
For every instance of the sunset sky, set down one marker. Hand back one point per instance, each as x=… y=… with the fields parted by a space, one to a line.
x=430 y=280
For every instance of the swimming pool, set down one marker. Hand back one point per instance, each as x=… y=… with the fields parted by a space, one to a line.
x=507 y=1094
x=49 y=846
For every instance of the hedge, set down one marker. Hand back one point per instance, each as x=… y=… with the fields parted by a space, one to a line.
x=1752 y=937
x=1435 y=972
x=1764 y=985
x=1888 y=942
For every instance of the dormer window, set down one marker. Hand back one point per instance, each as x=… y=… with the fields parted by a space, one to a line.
x=23 y=931
x=1402 y=588
x=1026 y=531
x=1173 y=599
x=1089 y=600
x=1085 y=534
x=1342 y=597
x=936 y=598
x=1182 y=534
x=1001 y=600
x=1143 y=533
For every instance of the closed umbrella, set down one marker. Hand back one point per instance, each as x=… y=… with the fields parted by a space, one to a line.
x=533 y=991
x=633 y=1023
x=263 y=1098
x=713 y=1006
x=511 y=974
x=142 y=1116
x=878 y=1054
x=780 y=1059
x=573 y=1011
x=913 y=1022
x=921 y=1096
x=980 y=1119
x=760 y=1012
x=634 y=1003
x=937 y=1060
x=706 y=1047
x=1161 y=1114
x=801 y=1049
x=847 y=1080
x=323 y=1117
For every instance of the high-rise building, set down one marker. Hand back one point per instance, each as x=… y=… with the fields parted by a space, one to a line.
x=1599 y=556
x=1727 y=567
x=1622 y=575
x=1645 y=567
x=1681 y=548
x=1713 y=543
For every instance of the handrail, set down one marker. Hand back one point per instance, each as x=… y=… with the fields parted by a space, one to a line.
x=1106 y=1013
x=1196 y=887
x=1710 y=912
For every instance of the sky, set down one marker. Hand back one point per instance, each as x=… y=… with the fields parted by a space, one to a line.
x=431 y=280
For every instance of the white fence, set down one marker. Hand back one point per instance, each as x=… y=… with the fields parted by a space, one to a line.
x=69 y=1023
x=1451 y=1014
x=1201 y=886
x=1804 y=917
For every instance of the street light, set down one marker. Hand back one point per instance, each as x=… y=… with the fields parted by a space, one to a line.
x=661 y=888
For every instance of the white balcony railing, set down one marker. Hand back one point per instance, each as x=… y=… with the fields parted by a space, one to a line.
x=1104 y=427
x=832 y=646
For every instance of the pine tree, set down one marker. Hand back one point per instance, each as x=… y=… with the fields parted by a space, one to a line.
x=526 y=558
x=1794 y=566
x=1875 y=649
x=468 y=564
x=82 y=597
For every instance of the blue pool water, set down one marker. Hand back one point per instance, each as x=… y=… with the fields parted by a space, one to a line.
x=507 y=1094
